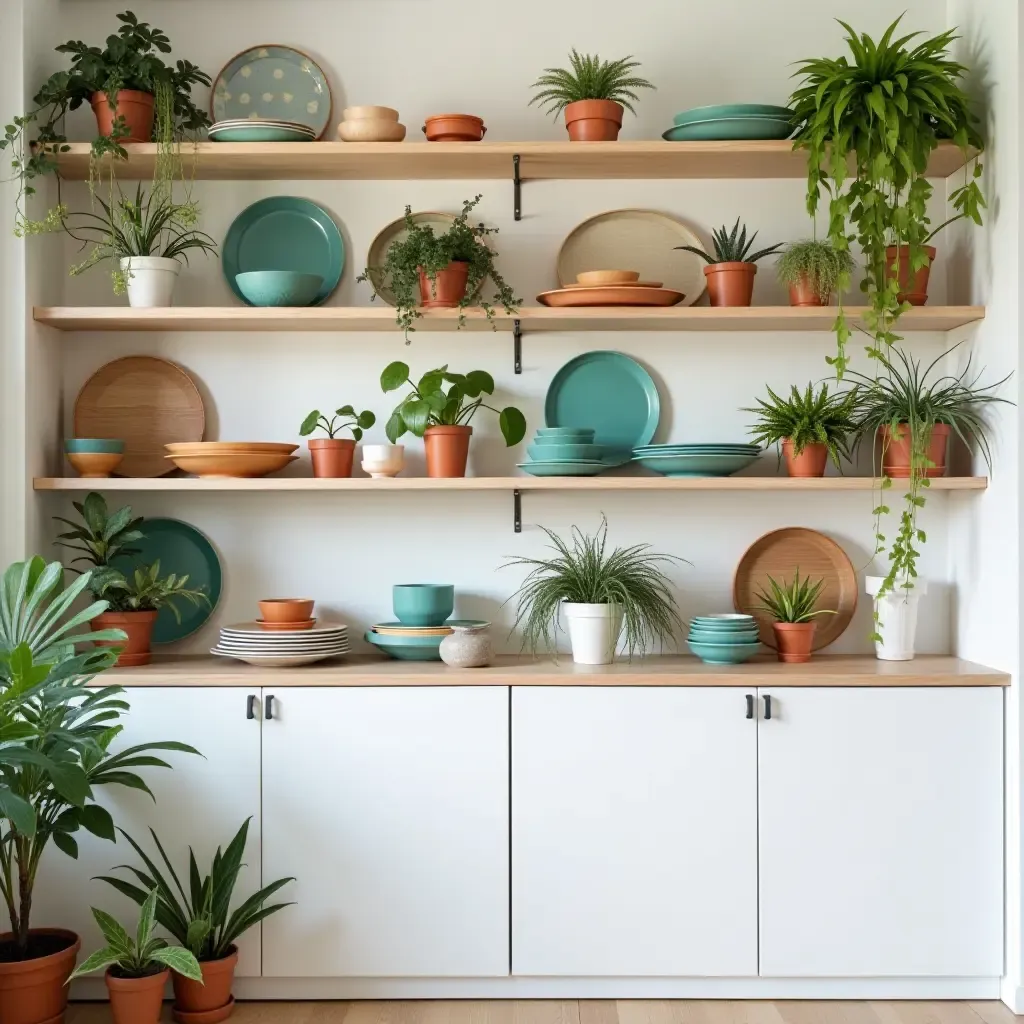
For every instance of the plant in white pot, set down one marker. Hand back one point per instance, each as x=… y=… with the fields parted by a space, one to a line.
x=603 y=595
x=895 y=617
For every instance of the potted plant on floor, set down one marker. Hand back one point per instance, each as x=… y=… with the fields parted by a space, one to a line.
x=730 y=272
x=792 y=607
x=808 y=429
x=813 y=271
x=604 y=595
x=593 y=94
x=439 y=409
x=428 y=271
x=202 y=921
x=332 y=455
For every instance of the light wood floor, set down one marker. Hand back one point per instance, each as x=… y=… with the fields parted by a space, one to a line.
x=595 y=1012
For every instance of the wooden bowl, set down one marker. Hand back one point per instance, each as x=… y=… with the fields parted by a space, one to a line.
x=277 y=610
x=232 y=464
x=94 y=465
x=371 y=130
x=216 y=447
x=369 y=113
x=595 y=278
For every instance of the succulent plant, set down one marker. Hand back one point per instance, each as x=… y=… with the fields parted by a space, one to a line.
x=732 y=246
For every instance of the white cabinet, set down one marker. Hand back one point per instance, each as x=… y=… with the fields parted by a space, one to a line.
x=200 y=802
x=880 y=822
x=634 y=832
x=390 y=806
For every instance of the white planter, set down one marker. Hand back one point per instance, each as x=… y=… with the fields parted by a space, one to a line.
x=150 y=280
x=594 y=631
x=897 y=618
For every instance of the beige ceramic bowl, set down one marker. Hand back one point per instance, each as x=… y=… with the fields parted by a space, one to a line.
x=369 y=114
x=371 y=130
x=232 y=464
x=217 y=447
x=94 y=465
x=286 y=609
x=604 y=277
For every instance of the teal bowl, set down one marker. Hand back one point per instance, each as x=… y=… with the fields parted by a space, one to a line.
x=423 y=604
x=730 y=128
x=720 y=623
x=278 y=287
x=93 y=446
x=400 y=648
x=733 y=110
x=566 y=452
x=702 y=636
x=554 y=432
x=723 y=654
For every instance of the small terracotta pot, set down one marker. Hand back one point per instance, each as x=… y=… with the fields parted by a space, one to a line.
x=191 y=997
x=896 y=451
x=136 y=108
x=35 y=991
x=136 y=1000
x=913 y=283
x=447 y=289
x=810 y=462
x=286 y=609
x=447 y=450
x=454 y=128
x=332 y=456
x=138 y=626
x=805 y=293
x=730 y=284
x=593 y=120
x=794 y=640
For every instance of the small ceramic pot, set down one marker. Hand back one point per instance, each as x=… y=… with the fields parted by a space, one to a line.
x=793 y=641
x=593 y=120
x=135 y=107
x=897 y=618
x=136 y=650
x=593 y=632
x=467 y=647
x=805 y=293
x=286 y=609
x=730 y=284
x=371 y=130
x=383 y=460
x=454 y=128
x=332 y=456
x=370 y=113
x=35 y=991
x=810 y=462
x=423 y=604
x=192 y=998
x=151 y=280
x=896 y=451
x=913 y=283
x=447 y=289
x=136 y=1000
x=447 y=450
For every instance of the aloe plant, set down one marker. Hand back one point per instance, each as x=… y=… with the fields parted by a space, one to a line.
x=793 y=601
x=732 y=246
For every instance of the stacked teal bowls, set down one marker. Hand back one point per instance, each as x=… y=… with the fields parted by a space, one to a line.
x=731 y=121
x=724 y=639
x=696 y=459
x=564 y=451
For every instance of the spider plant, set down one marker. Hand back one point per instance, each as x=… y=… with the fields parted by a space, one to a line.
x=793 y=601
x=732 y=246
x=588 y=78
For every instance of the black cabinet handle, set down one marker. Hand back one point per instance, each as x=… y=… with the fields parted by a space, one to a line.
x=250 y=706
x=767 y=707
x=750 y=705
x=268 y=707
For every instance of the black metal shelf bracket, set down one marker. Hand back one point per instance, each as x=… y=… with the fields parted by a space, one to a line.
x=517 y=511
x=517 y=189
x=517 y=346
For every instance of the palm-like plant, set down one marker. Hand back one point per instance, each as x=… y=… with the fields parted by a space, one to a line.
x=589 y=78
x=732 y=246
x=794 y=601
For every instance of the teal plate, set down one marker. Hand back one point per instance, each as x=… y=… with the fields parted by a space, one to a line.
x=562 y=468
x=695 y=465
x=181 y=549
x=714 y=113
x=259 y=133
x=730 y=128
x=609 y=392
x=393 y=647
x=275 y=83
x=284 y=233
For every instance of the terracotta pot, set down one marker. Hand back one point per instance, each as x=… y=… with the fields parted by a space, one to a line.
x=913 y=283
x=447 y=289
x=214 y=993
x=447 y=450
x=136 y=1000
x=135 y=107
x=138 y=626
x=805 y=293
x=593 y=120
x=896 y=451
x=730 y=284
x=810 y=462
x=332 y=456
x=454 y=128
x=794 y=640
x=34 y=991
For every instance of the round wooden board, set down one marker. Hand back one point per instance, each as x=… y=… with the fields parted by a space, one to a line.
x=145 y=402
x=779 y=554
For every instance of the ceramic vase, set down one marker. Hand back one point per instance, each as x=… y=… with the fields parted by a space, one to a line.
x=35 y=991
x=896 y=451
x=913 y=283
x=151 y=280
x=593 y=631
x=897 y=618
x=467 y=647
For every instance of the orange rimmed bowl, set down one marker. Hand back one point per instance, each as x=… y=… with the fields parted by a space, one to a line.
x=285 y=610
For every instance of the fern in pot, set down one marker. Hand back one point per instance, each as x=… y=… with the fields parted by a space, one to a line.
x=813 y=270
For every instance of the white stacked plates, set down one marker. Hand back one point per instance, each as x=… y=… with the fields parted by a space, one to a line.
x=249 y=643
x=260 y=130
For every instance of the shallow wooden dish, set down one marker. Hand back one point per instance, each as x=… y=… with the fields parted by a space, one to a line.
x=232 y=464
x=218 y=447
x=630 y=284
x=595 y=278
x=617 y=295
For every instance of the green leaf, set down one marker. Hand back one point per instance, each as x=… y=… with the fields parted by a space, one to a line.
x=416 y=415
x=309 y=423
x=478 y=382
x=394 y=376
x=513 y=425
x=101 y=959
x=180 y=960
x=97 y=820
x=65 y=844
x=395 y=426
x=18 y=811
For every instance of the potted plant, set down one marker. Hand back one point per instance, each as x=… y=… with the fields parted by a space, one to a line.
x=440 y=271
x=441 y=415
x=137 y=968
x=592 y=92
x=201 y=921
x=792 y=606
x=883 y=112
x=730 y=272
x=895 y=616
x=332 y=455
x=603 y=595
x=809 y=428
x=813 y=269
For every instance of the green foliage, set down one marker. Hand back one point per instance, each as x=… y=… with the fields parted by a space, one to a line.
x=589 y=78
x=201 y=921
x=885 y=111
x=630 y=578
x=430 y=404
x=141 y=956
x=732 y=246
x=793 y=601
x=351 y=420
x=821 y=263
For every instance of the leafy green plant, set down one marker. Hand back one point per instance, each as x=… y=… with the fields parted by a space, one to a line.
x=422 y=250
x=589 y=78
x=200 y=921
x=582 y=571
x=810 y=417
x=138 y=957
x=732 y=246
x=819 y=262
x=884 y=111
x=431 y=404
x=351 y=420
x=145 y=590
x=794 y=601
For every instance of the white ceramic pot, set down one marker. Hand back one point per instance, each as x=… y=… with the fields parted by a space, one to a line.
x=383 y=460
x=594 y=631
x=897 y=618
x=467 y=647
x=150 y=280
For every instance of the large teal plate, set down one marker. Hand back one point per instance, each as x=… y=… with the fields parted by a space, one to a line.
x=733 y=110
x=730 y=128
x=181 y=549
x=609 y=392
x=695 y=465
x=285 y=233
x=563 y=468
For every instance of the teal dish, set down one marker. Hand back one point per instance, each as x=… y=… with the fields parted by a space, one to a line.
x=465 y=623
x=562 y=468
x=259 y=133
x=566 y=452
x=730 y=129
x=284 y=233
x=421 y=651
x=555 y=435
x=724 y=654
x=721 y=110
x=695 y=465
x=728 y=622
x=609 y=392
x=410 y=641
x=423 y=604
x=713 y=636
x=93 y=446
x=278 y=288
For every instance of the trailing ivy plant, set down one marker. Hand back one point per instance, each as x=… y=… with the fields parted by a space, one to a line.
x=885 y=111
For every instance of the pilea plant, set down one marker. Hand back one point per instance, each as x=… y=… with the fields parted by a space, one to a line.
x=350 y=420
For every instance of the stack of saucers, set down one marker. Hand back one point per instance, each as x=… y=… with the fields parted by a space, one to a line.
x=732 y=121
x=254 y=129
x=724 y=639
x=565 y=451
x=696 y=459
x=423 y=611
x=251 y=643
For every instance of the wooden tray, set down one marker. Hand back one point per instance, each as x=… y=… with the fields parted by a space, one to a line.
x=611 y=295
x=781 y=552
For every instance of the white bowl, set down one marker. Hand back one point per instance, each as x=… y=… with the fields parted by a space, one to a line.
x=384 y=453
x=377 y=470
x=371 y=130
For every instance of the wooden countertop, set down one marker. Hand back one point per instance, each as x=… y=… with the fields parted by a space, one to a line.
x=826 y=670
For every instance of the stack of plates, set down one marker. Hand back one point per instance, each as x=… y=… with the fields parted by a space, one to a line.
x=565 y=451
x=696 y=459
x=415 y=643
x=611 y=288
x=250 y=643
x=724 y=639
x=731 y=121
x=231 y=458
x=255 y=129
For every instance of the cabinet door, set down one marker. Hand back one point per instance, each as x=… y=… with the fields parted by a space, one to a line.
x=390 y=806
x=634 y=832
x=881 y=832
x=200 y=802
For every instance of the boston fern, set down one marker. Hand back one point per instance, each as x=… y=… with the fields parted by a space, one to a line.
x=732 y=246
x=589 y=78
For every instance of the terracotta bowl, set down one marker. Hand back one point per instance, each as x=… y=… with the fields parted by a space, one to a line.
x=232 y=465
x=216 y=447
x=286 y=627
x=371 y=130
x=276 y=610
x=370 y=113
x=94 y=465
x=454 y=128
x=593 y=278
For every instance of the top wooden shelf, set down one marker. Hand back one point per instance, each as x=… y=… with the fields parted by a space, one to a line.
x=477 y=160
